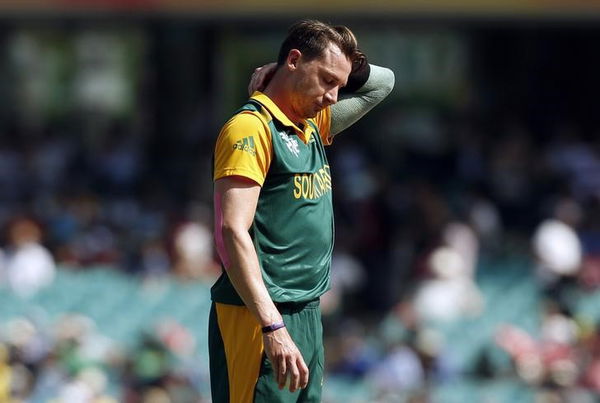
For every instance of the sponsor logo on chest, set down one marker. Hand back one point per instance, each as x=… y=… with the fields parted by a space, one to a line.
x=312 y=185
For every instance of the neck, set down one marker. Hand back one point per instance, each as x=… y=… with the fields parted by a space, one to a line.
x=279 y=92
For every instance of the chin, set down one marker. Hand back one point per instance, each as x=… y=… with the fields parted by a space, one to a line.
x=314 y=112
x=309 y=114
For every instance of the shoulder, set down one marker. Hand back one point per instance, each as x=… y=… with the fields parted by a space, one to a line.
x=246 y=120
x=244 y=147
x=245 y=123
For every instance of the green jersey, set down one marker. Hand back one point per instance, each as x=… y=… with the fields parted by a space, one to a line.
x=293 y=226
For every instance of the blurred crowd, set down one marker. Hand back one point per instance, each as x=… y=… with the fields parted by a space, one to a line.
x=70 y=360
x=411 y=229
x=89 y=210
x=414 y=227
x=419 y=202
x=472 y=189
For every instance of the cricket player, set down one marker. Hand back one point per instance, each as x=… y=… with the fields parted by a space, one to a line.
x=274 y=228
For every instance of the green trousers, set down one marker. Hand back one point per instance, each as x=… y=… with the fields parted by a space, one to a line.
x=240 y=371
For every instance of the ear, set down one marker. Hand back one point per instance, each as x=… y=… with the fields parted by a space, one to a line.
x=293 y=58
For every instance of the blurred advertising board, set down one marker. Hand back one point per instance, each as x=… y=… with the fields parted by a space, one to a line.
x=225 y=8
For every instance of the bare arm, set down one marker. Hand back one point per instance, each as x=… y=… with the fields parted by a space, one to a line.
x=239 y=198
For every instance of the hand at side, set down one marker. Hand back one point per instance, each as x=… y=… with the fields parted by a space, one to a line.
x=286 y=359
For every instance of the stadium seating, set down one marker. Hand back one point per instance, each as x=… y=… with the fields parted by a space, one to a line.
x=123 y=307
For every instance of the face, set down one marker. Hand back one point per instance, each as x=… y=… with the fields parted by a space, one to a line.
x=315 y=83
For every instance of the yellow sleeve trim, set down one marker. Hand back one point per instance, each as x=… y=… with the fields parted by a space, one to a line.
x=249 y=174
x=244 y=148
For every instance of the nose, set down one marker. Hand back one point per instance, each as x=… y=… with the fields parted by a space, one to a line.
x=331 y=96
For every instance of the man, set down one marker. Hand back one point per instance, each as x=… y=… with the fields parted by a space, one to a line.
x=274 y=218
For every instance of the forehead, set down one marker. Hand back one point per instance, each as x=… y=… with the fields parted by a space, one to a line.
x=335 y=61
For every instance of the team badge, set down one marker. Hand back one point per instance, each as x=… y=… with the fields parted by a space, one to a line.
x=291 y=143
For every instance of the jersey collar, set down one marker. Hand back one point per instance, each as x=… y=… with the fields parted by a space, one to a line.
x=282 y=118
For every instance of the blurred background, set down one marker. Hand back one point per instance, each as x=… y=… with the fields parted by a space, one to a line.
x=467 y=260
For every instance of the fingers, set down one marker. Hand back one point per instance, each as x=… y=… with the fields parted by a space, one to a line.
x=303 y=381
x=276 y=367
x=254 y=81
x=257 y=80
x=261 y=77
x=296 y=374
x=282 y=372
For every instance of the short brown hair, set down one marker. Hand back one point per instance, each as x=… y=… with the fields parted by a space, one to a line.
x=311 y=37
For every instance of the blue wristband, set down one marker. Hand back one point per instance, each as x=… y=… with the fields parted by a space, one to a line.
x=273 y=327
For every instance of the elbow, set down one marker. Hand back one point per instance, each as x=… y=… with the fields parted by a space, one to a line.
x=388 y=82
x=381 y=82
x=232 y=233
x=228 y=231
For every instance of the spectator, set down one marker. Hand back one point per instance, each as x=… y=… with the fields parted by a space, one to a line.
x=451 y=292
x=29 y=265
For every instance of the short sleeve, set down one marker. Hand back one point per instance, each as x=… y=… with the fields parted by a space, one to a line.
x=243 y=148
x=323 y=122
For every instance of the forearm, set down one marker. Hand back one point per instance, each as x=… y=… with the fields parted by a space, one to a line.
x=245 y=275
x=351 y=107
